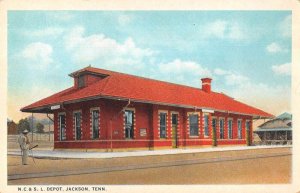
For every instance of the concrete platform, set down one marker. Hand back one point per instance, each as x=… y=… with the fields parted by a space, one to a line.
x=58 y=154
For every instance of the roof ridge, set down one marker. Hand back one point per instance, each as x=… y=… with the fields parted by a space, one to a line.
x=152 y=79
x=162 y=81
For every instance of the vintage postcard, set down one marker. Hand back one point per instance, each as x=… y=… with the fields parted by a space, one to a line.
x=151 y=97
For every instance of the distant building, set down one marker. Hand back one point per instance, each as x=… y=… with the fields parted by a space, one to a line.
x=276 y=131
x=11 y=128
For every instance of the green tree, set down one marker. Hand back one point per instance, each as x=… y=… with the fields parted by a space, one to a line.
x=39 y=128
x=23 y=124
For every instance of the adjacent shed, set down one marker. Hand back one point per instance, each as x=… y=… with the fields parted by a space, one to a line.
x=277 y=130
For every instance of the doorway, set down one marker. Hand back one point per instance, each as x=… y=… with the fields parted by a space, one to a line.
x=129 y=124
x=174 y=130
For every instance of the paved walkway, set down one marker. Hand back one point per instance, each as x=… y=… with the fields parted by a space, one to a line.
x=56 y=154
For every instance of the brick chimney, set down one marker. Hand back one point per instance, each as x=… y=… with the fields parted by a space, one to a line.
x=206 y=84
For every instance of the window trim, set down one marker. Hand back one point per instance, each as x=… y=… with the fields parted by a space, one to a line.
x=59 y=126
x=230 y=119
x=206 y=127
x=133 y=125
x=240 y=131
x=221 y=118
x=189 y=124
x=165 y=125
x=74 y=124
x=92 y=122
x=159 y=126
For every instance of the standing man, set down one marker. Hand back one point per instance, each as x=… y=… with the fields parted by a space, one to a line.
x=24 y=145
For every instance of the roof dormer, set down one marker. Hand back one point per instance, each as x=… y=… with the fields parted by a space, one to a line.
x=87 y=76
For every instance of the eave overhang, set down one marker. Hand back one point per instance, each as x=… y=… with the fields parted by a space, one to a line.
x=273 y=129
x=47 y=108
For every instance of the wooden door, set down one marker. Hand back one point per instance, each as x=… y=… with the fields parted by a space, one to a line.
x=174 y=130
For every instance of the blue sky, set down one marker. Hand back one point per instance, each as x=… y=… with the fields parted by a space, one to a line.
x=247 y=53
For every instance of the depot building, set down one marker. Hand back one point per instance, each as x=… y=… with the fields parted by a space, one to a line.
x=111 y=110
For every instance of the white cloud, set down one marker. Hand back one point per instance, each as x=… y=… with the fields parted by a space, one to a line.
x=225 y=30
x=124 y=19
x=283 y=69
x=219 y=71
x=231 y=78
x=74 y=38
x=178 y=66
x=216 y=28
x=236 y=32
x=178 y=71
x=47 y=32
x=275 y=48
x=38 y=54
x=98 y=48
x=285 y=26
x=234 y=79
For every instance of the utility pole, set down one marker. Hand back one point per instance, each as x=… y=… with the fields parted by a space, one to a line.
x=31 y=127
x=50 y=119
x=111 y=133
x=111 y=125
x=49 y=128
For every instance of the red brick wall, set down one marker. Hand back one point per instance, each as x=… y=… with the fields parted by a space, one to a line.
x=146 y=116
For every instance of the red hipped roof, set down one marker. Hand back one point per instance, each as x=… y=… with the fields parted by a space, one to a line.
x=125 y=86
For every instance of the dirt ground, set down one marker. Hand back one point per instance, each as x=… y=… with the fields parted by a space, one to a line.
x=250 y=171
